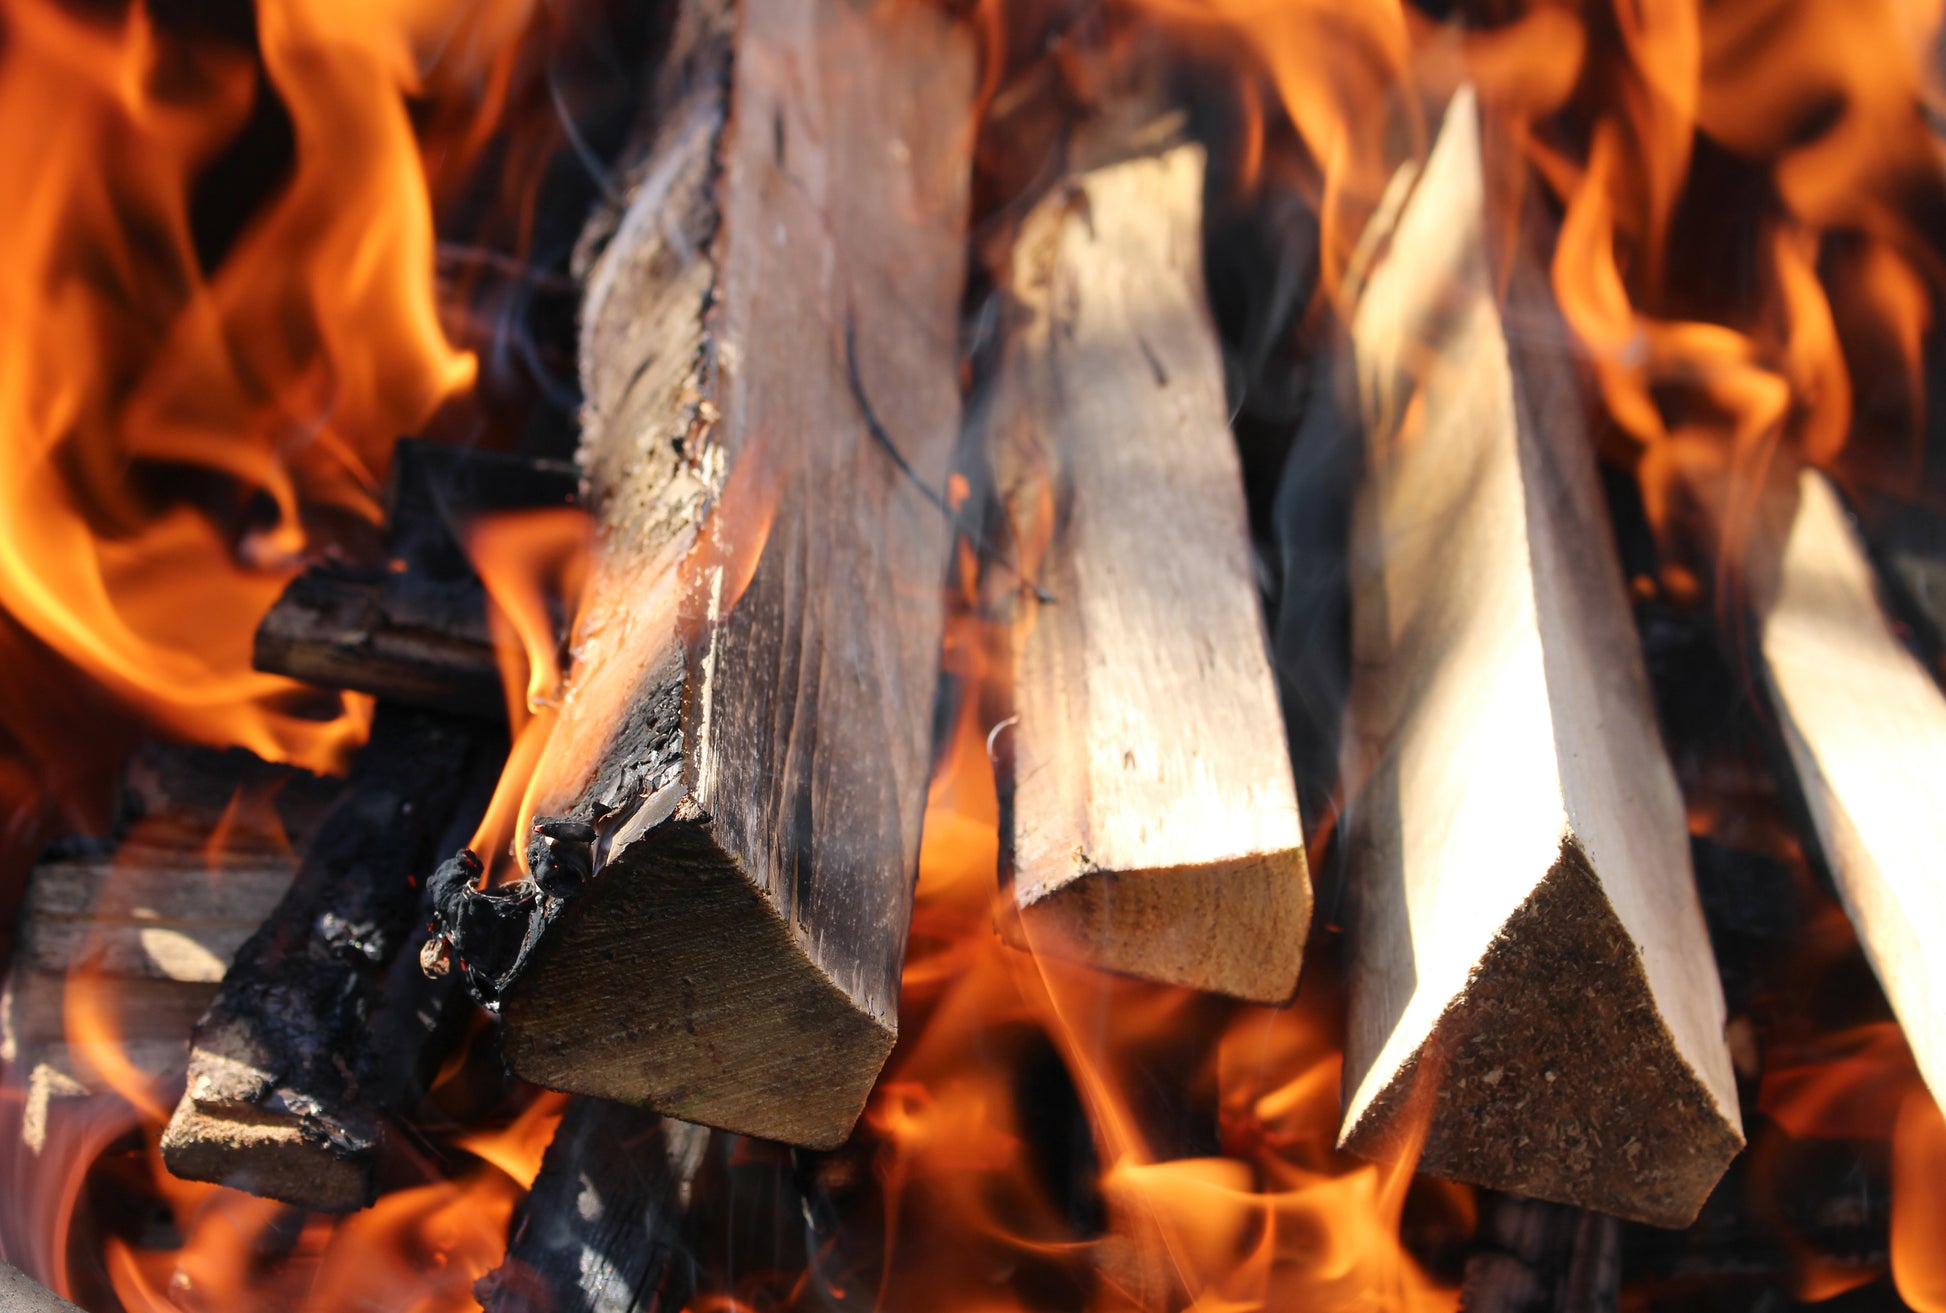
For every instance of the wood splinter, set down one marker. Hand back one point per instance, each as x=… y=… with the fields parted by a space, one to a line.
x=1534 y=1004
x=1155 y=825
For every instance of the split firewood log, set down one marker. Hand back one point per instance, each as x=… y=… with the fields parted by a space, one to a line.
x=770 y=353
x=1864 y=728
x=123 y=939
x=323 y=1022
x=1534 y=1005
x=412 y=627
x=605 y=1221
x=1154 y=820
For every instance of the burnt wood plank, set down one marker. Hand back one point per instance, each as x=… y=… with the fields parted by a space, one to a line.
x=412 y=628
x=312 y=1040
x=606 y=1219
x=748 y=721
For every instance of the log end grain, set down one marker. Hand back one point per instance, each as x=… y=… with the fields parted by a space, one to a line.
x=266 y=1154
x=673 y=983
x=1557 y=1018
x=1233 y=927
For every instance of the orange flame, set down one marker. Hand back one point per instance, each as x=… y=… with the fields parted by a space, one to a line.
x=528 y=561
x=1919 y=1203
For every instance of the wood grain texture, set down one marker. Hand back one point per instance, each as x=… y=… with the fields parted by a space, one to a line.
x=412 y=626
x=316 y=1035
x=1155 y=826
x=139 y=927
x=1865 y=728
x=606 y=1219
x=749 y=716
x=1534 y=1004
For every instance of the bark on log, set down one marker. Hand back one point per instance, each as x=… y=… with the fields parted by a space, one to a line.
x=412 y=628
x=1534 y=1005
x=605 y=1222
x=1535 y=1257
x=308 y=1044
x=1864 y=726
x=1153 y=826
x=748 y=723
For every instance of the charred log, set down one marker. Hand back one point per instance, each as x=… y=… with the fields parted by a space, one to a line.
x=314 y=1038
x=144 y=922
x=1536 y=1257
x=412 y=627
x=605 y=1223
x=748 y=723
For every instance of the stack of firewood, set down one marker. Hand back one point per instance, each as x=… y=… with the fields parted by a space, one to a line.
x=779 y=463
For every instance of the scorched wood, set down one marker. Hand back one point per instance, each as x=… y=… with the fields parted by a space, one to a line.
x=1531 y=1256
x=1534 y=1006
x=296 y=1064
x=605 y=1222
x=1864 y=726
x=1154 y=820
x=748 y=721
x=412 y=627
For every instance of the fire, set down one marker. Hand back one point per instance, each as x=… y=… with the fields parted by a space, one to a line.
x=223 y=284
x=206 y=397
x=1004 y=1054
x=531 y=563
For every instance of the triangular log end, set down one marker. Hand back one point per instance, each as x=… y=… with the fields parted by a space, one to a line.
x=1229 y=927
x=630 y=999
x=1554 y=1075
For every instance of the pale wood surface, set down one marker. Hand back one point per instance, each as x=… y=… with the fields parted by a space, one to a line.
x=1155 y=820
x=749 y=718
x=1534 y=1003
x=1865 y=726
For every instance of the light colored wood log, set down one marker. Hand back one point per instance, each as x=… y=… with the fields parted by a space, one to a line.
x=1155 y=825
x=1534 y=1005
x=1865 y=727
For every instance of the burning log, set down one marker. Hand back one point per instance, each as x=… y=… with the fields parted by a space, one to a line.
x=1533 y=998
x=1536 y=1257
x=412 y=628
x=1154 y=819
x=747 y=730
x=601 y=1228
x=1864 y=726
x=306 y=1047
x=137 y=931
